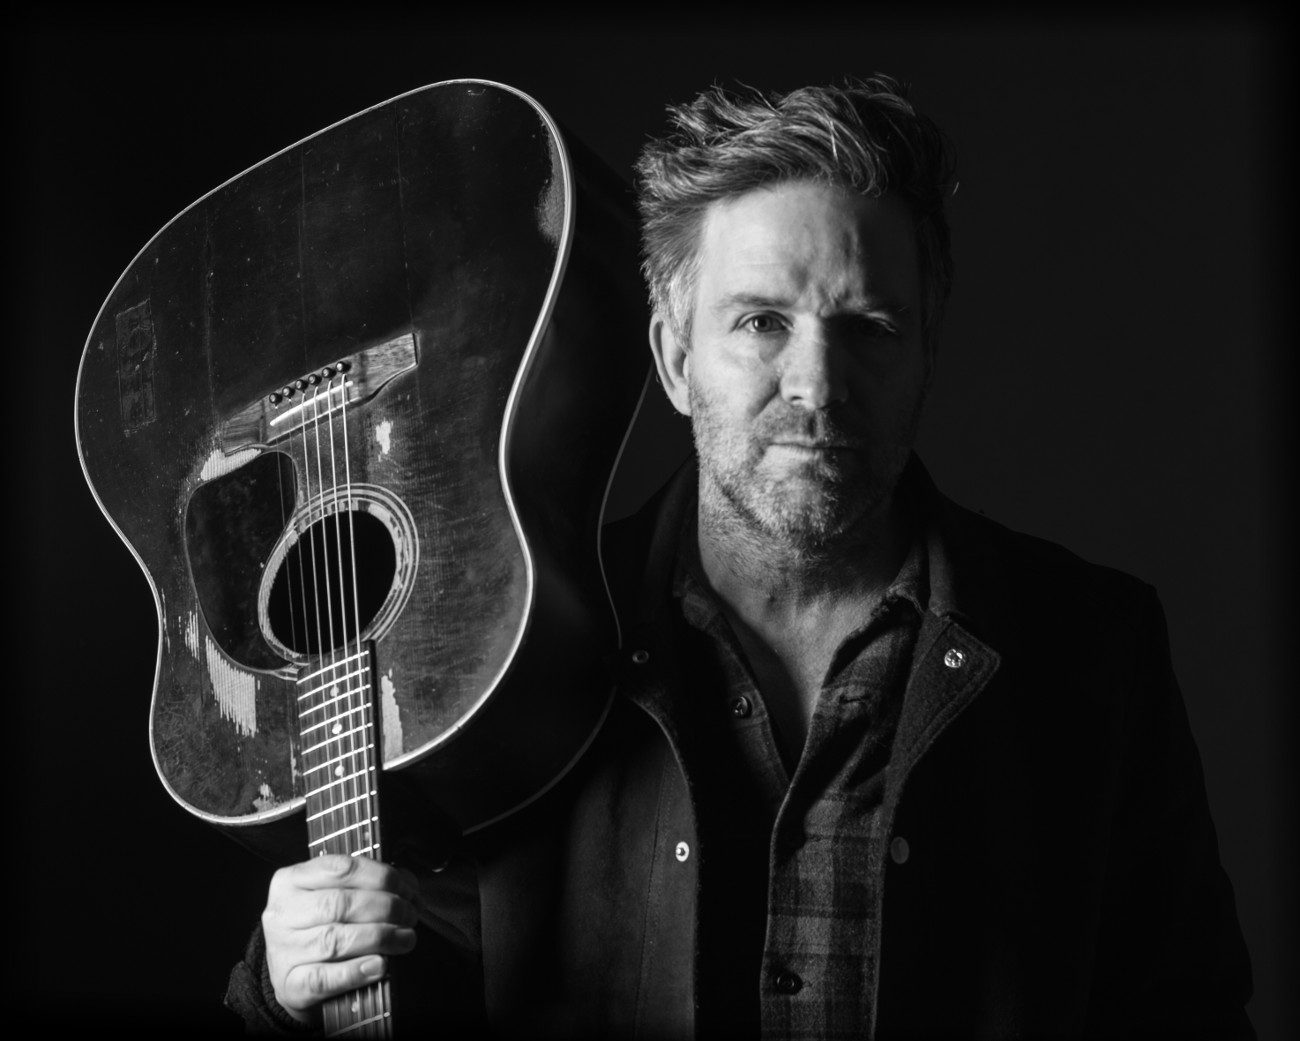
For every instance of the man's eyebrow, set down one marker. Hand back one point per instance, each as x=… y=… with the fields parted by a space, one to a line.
x=867 y=305
x=731 y=300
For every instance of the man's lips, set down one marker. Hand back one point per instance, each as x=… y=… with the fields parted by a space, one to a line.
x=815 y=446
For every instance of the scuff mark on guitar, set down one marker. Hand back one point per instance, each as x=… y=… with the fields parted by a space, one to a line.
x=136 y=347
x=550 y=205
x=390 y=715
x=234 y=689
x=266 y=798
x=192 y=633
x=219 y=463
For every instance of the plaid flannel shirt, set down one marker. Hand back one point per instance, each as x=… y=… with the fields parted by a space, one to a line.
x=788 y=894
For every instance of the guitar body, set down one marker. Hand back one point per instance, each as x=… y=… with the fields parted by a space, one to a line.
x=471 y=278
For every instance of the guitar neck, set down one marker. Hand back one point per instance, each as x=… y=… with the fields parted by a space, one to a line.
x=340 y=754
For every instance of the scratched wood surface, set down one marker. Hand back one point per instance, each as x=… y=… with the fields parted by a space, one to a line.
x=440 y=216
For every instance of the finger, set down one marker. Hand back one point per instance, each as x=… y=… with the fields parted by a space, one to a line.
x=339 y=942
x=336 y=871
x=305 y=986
x=305 y=908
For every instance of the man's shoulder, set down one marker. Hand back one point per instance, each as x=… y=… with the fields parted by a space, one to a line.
x=647 y=538
x=1042 y=578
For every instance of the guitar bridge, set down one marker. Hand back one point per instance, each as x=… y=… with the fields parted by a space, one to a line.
x=352 y=380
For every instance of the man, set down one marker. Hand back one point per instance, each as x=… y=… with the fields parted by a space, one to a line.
x=878 y=767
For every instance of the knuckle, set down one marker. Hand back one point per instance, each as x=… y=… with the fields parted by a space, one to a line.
x=338 y=864
x=316 y=981
x=329 y=942
x=280 y=881
x=333 y=905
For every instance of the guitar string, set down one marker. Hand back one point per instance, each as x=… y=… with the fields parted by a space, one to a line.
x=332 y=803
x=335 y=742
x=377 y=1027
x=284 y=523
x=365 y=999
x=307 y=527
x=374 y=749
x=305 y=534
x=356 y=700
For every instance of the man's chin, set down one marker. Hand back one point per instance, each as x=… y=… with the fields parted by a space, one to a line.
x=809 y=518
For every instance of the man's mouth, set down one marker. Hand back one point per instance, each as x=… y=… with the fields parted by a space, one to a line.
x=813 y=446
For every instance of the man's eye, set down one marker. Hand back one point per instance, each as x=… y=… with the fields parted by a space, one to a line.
x=761 y=323
x=872 y=327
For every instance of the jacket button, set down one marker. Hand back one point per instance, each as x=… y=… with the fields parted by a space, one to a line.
x=682 y=851
x=899 y=850
x=788 y=982
x=640 y=656
x=954 y=659
x=740 y=707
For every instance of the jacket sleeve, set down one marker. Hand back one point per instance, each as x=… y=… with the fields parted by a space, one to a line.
x=251 y=997
x=1171 y=959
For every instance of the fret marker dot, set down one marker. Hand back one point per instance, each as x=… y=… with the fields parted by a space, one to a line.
x=337 y=728
x=338 y=770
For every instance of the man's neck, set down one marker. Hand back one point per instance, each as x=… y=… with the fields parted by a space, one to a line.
x=765 y=579
x=791 y=607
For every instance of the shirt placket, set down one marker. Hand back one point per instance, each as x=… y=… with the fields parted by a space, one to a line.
x=820 y=930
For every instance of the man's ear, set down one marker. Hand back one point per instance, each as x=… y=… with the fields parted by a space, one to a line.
x=672 y=361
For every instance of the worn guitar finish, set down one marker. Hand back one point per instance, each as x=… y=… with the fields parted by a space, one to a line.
x=464 y=279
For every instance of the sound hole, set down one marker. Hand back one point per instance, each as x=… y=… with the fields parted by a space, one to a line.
x=312 y=608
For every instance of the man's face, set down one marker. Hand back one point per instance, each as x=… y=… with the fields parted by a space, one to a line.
x=806 y=370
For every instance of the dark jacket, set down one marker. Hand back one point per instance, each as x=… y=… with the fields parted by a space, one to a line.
x=1060 y=877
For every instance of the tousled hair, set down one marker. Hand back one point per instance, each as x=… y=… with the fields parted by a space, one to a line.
x=865 y=136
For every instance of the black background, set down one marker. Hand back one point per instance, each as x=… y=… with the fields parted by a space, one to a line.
x=1116 y=375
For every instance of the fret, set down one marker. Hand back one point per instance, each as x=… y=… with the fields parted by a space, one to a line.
x=343 y=831
x=343 y=811
x=326 y=704
x=341 y=805
x=360 y=656
x=338 y=758
x=338 y=737
x=358 y=1025
x=333 y=719
x=334 y=682
x=340 y=781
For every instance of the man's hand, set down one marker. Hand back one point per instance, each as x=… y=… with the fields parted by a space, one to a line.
x=328 y=923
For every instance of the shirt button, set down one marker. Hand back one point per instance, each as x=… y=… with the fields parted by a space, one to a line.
x=899 y=850
x=640 y=657
x=954 y=659
x=788 y=982
x=682 y=851
x=740 y=707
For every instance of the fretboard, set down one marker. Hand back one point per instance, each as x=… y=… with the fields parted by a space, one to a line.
x=339 y=752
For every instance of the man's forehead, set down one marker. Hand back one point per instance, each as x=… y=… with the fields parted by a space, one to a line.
x=780 y=241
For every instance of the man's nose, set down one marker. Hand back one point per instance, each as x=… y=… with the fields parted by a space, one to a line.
x=813 y=368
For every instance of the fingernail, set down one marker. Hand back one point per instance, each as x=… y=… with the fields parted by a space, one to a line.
x=372 y=967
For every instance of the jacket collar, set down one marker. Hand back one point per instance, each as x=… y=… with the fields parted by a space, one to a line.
x=967 y=583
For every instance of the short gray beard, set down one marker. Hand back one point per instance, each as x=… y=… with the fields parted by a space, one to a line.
x=751 y=513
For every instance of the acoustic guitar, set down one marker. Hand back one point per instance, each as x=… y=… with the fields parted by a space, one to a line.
x=356 y=412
